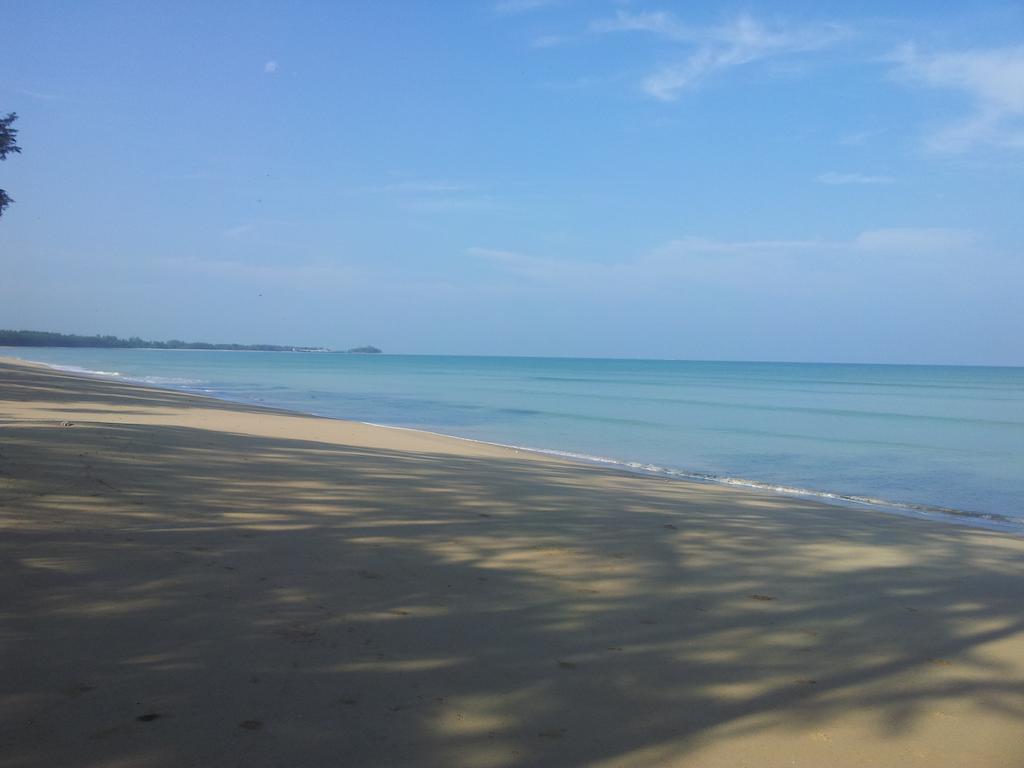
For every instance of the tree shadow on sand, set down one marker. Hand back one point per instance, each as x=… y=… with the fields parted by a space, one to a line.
x=178 y=596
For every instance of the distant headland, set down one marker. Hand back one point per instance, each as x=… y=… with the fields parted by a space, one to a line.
x=9 y=338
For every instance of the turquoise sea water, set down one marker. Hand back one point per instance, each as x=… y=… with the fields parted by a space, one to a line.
x=921 y=440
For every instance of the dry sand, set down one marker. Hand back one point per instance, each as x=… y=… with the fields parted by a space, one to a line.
x=187 y=582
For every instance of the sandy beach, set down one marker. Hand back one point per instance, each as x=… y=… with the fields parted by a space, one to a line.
x=186 y=581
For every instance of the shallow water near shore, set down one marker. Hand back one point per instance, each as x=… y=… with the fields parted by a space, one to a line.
x=940 y=441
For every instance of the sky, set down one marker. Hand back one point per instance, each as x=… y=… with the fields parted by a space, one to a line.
x=803 y=181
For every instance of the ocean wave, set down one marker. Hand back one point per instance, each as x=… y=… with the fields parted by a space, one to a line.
x=988 y=520
x=166 y=381
x=78 y=369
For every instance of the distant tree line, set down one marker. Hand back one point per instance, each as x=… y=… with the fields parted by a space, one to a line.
x=47 y=339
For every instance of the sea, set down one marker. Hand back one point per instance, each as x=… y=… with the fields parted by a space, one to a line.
x=939 y=442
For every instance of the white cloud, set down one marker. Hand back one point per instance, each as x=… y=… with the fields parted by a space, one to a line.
x=41 y=96
x=317 y=276
x=271 y=67
x=239 y=231
x=751 y=262
x=426 y=186
x=916 y=241
x=191 y=176
x=548 y=41
x=437 y=196
x=657 y=22
x=521 y=6
x=715 y=49
x=860 y=138
x=443 y=204
x=835 y=178
x=533 y=267
x=992 y=78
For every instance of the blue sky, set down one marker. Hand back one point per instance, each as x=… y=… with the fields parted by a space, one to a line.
x=793 y=181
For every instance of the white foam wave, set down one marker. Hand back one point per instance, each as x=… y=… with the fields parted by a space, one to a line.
x=947 y=514
x=78 y=369
x=167 y=381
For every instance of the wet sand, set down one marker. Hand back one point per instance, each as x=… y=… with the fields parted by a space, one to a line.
x=190 y=582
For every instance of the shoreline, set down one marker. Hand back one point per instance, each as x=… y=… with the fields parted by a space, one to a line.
x=189 y=581
x=836 y=363
x=848 y=501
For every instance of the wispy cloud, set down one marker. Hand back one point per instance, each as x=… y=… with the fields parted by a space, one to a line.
x=509 y=7
x=993 y=79
x=579 y=83
x=239 y=231
x=727 y=258
x=859 y=138
x=533 y=268
x=39 y=95
x=742 y=41
x=426 y=186
x=657 y=22
x=832 y=177
x=191 y=176
x=437 y=195
x=318 y=275
x=452 y=203
x=548 y=41
x=271 y=67
x=703 y=259
x=915 y=241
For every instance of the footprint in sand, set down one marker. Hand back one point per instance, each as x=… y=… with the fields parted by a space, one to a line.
x=105 y=733
x=553 y=733
x=299 y=633
x=77 y=689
